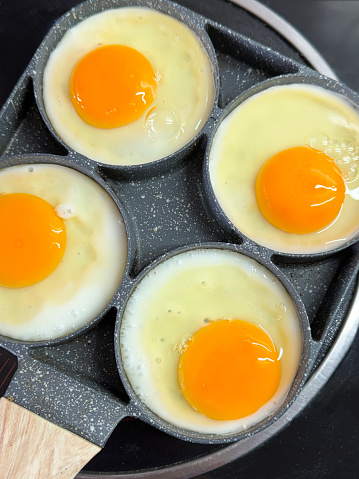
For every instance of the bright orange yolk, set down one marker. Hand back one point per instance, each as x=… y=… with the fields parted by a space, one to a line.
x=32 y=239
x=229 y=369
x=300 y=190
x=112 y=86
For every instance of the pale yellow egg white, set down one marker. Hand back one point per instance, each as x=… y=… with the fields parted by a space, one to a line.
x=93 y=264
x=271 y=121
x=185 y=92
x=180 y=296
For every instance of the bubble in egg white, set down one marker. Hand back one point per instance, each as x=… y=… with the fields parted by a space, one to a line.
x=162 y=123
x=64 y=211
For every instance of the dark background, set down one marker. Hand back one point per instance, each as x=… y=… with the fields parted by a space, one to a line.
x=323 y=442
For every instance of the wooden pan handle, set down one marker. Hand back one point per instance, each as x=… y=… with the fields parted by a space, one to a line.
x=33 y=448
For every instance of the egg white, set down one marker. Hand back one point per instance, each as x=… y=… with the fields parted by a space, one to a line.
x=278 y=118
x=185 y=92
x=178 y=297
x=93 y=264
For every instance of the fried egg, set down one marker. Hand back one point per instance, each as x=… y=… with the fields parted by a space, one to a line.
x=128 y=86
x=284 y=169
x=211 y=341
x=63 y=251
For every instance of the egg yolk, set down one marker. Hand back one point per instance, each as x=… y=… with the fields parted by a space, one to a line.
x=300 y=190
x=229 y=369
x=32 y=239
x=112 y=86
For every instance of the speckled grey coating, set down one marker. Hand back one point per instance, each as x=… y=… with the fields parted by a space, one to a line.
x=168 y=204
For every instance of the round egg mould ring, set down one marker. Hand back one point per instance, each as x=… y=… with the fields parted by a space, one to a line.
x=348 y=95
x=145 y=414
x=195 y=22
x=103 y=401
x=39 y=159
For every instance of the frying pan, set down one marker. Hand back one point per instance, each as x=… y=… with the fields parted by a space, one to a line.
x=68 y=399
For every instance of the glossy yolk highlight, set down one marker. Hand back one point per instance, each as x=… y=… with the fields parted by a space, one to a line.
x=32 y=239
x=229 y=369
x=300 y=190
x=112 y=86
